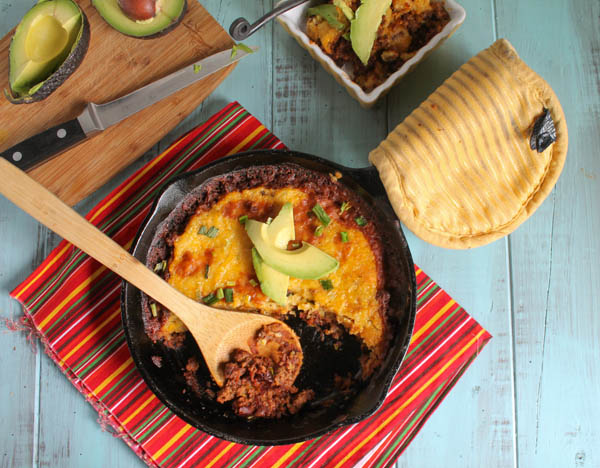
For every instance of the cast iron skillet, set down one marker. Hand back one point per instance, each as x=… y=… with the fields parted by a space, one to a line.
x=167 y=381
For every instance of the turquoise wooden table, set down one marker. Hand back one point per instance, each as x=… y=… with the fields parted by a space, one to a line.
x=531 y=398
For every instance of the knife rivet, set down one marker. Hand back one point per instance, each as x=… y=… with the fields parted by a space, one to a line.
x=61 y=133
x=17 y=155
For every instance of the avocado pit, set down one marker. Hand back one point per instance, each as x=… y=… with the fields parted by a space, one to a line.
x=46 y=39
x=138 y=10
x=143 y=19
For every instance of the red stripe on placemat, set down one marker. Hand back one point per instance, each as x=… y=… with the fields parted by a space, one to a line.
x=74 y=304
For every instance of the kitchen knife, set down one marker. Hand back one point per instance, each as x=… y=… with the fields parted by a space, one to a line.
x=97 y=117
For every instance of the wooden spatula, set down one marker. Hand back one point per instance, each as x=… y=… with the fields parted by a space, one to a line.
x=217 y=331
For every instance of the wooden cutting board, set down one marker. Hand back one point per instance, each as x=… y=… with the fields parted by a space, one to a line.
x=114 y=65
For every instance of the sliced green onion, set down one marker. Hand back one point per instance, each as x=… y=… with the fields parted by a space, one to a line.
x=344 y=207
x=243 y=219
x=206 y=268
x=361 y=221
x=326 y=284
x=230 y=283
x=210 y=299
x=245 y=48
x=321 y=215
x=208 y=232
x=252 y=282
x=153 y=309
x=269 y=220
x=197 y=67
x=212 y=232
x=220 y=293
x=240 y=46
x=344 y=236
x=160 y=266
x=296 y=245
x=319 y=231
x=329 y=13
x=228 y=295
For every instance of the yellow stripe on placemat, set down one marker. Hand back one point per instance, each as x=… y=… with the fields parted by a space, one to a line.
x=90 y=335
x=411 y=399
x=432 y=320
x=139 y=408
x=218 y=457
x=288 y=454
x=143 y=172
x=44 y=270
x=246 y=140
x=162 y=450
x=107 y=380
x=77 y=290
x=418 y=272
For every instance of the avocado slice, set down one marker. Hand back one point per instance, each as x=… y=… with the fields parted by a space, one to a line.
x=364 y=26
x=307 y=262
x=272 y=283
x=47 y=47
x=169 y=14
x=342 y=5
x=281 y=230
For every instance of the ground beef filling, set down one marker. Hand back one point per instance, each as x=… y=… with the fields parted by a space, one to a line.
x=260 y=383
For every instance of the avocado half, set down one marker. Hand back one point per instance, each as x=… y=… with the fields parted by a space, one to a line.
x=169 y=14
x=47 y=47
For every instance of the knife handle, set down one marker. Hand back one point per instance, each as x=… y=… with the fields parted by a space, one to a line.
x=43 y=146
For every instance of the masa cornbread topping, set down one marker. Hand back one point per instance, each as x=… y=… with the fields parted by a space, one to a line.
x=201 y=264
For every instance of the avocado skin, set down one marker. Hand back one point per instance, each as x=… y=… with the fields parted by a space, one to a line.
x=157 y=34
x=57 y=78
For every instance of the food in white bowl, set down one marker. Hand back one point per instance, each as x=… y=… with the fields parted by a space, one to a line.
x=369 y=45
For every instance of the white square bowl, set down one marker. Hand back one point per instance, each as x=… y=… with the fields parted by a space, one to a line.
x=294 y=22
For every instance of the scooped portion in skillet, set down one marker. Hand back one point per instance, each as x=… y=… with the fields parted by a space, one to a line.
x=205 y=252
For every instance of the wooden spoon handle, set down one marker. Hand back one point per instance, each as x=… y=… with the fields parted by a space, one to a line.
x=49 y=210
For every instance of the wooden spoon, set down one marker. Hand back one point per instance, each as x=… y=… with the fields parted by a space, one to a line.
x=218 y=332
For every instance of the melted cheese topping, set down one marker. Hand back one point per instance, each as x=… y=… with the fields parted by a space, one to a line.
x=352 y=300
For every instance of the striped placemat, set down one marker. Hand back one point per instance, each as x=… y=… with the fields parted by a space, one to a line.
x=72 y=302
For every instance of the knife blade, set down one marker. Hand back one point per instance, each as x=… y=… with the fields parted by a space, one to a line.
x=97 y=117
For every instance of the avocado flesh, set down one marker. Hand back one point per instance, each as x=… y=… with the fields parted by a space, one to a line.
x=364 y=26
x=169 y=12
x=307 y=262
x=272 y=283
x=348 y=12
x=42 y=41
x=281 y=230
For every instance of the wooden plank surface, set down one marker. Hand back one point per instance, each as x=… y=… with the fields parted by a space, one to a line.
x=554 y=256
x=114 y=65
x=530 y=399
